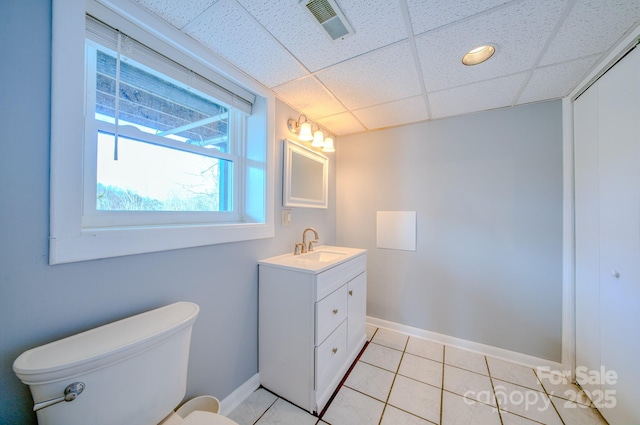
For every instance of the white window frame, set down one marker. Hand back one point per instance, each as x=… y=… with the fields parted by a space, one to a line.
x=70 y=239
x=93 y=218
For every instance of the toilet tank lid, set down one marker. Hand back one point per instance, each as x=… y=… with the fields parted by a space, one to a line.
x=107 y=340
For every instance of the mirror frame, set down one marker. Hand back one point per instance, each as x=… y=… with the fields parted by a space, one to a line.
x=292 y=148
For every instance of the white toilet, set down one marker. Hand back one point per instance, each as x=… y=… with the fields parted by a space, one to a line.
x=133 y=371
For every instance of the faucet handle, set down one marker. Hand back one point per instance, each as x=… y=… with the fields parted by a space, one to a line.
x=310 y=249
x=298 y=249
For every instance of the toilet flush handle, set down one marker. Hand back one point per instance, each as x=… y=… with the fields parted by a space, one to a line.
x=70 y=393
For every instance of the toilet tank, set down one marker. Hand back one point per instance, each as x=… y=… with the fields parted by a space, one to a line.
x=134 y=370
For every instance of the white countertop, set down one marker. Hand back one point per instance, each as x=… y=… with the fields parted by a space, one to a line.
x=322 y=257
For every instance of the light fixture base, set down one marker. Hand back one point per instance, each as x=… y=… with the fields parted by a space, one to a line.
x=478 y=55
x=293 y=126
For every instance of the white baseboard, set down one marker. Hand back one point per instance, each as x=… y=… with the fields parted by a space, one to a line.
x=486 y=350
x=234 y=399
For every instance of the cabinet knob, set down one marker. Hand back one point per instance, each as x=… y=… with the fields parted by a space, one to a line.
x=615 y=273
x=351 y=293
x=335 y=311
x=335 y=350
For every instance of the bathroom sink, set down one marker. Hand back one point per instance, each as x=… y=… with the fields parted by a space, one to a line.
x=322 y=257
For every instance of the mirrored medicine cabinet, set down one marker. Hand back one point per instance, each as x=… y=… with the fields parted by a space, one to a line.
x=305 y=176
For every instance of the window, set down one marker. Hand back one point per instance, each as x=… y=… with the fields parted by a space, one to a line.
x=173 y=153
x=160 y=145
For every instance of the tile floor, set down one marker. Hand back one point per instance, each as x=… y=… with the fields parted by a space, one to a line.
x=402 y=380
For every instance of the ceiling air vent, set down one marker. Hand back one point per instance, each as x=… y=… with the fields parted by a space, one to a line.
x=330 y=17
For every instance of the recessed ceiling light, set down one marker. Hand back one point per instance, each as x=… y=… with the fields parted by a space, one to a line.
x=478 y=55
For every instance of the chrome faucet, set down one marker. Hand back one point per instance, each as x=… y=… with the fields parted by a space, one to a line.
x=307 y=247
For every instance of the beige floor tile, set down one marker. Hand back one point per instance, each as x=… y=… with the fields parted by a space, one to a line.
x=465 y=360
x=563 y=388
x=250 y=410
x=577 y=414
x=424 y=348
x=371 y=380
x=457 y=410
x=513 y=373
x=390 y=339
x=526 y=402
x=421 y=369
x=393 y=416
x=353 y=408
x=511 y=419
x=284 y=413
x=415 y=397
x=384 y=357
x=469 y=384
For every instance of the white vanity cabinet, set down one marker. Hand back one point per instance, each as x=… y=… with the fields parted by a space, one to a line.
x=312 y=311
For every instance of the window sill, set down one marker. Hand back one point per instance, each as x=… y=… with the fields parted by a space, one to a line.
x=93 y=244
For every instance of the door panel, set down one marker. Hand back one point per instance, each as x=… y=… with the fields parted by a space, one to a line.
x=587 y=228
x=619 y=200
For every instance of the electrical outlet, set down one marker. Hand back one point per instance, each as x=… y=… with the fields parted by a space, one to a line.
x=287 y=215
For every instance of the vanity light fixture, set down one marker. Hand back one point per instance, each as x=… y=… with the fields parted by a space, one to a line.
x=318 y=139
x=303 y=129
x=478 y=55
x=328 y=145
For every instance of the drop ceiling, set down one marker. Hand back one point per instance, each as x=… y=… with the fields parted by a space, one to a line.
x=403 y=63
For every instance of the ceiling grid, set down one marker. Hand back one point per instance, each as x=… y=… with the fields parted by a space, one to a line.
x=403 y=62
x=554 y=32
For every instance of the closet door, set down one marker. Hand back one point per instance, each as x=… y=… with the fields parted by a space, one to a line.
x=619 y=199
x=587 y=227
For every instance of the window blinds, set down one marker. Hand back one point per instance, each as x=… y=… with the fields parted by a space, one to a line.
x=221 y=89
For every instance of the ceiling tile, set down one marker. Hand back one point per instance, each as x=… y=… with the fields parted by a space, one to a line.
x=228 y=30
x=341 y=124
x=391 y=114
x=592 y=26
x=309 y=95
x=372 y=74
x=376 y=23
x=378 y=77
x=177 y=14
x=492 y=94
x=556 y=81
x=518 y=31
x=427 y=15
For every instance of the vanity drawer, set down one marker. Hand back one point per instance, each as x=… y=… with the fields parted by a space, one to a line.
x=330 y=312
x=330 y=356
x=330 y=280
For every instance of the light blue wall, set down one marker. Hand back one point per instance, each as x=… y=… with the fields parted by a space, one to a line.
x=487 y=189
x=40 y=303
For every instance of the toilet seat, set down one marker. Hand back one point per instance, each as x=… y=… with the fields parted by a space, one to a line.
x=197 y=417
x=200 y=417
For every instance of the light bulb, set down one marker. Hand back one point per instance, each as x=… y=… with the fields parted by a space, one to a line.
x=305 y=132
x=318 y=139
x=328 y=145
x=478 y=55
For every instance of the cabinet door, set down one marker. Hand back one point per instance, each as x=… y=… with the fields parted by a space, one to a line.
x=619 y=179
x=357 y=307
